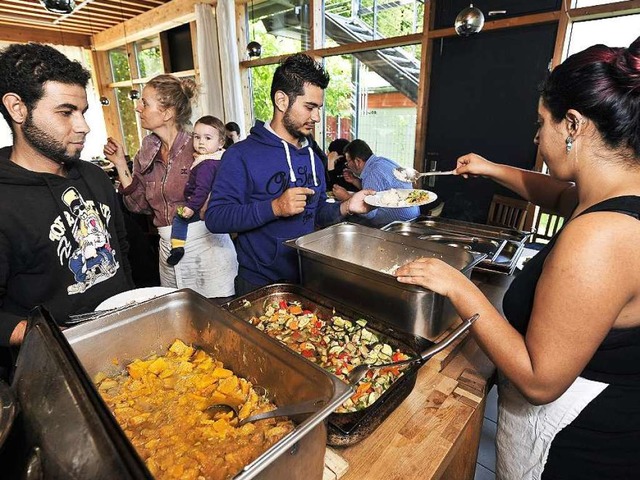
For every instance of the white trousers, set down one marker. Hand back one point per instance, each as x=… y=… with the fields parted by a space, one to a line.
x=209 y=265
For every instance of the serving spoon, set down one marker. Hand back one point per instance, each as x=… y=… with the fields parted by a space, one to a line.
x=310 y=406
x=360 y=371
x=412 y=175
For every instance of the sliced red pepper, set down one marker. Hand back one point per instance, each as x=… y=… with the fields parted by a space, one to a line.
x=307 y=353
x=283 y=304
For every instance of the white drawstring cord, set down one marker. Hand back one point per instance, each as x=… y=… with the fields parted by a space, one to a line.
x=292 y=175
x=313 y=166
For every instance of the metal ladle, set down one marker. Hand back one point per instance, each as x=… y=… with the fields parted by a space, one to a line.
x=360 y=371
x=310 y=406
x=412 y=175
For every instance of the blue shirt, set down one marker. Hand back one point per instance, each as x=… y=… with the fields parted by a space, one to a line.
x=377 y=175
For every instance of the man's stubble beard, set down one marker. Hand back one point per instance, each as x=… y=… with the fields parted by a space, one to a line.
x=290 y=126
x=45 y=143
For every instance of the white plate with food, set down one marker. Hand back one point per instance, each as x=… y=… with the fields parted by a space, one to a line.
x=401 y=198
x=131 y=297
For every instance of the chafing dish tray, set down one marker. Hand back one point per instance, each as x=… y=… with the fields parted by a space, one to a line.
x=112 y=341
x=352 y=264
x=502 y=246
x=344 y=428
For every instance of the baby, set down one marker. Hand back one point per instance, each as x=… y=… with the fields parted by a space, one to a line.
x=208 y=141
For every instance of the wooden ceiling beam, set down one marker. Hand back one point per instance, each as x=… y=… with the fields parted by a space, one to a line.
x=20 y=34
x=164 y=17
x=43 y=20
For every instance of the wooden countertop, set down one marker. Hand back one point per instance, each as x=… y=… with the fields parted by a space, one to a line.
x=435 y=432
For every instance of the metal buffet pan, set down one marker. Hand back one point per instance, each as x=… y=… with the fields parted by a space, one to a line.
x=353 y=264
x=344 y=428
x=75 y=434
x=503 y=246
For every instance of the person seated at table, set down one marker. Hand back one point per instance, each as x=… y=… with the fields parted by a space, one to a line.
x=371 y=172
x=568 y=352
x=337 y=164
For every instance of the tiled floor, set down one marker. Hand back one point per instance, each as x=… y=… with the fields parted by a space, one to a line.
x=486 y=466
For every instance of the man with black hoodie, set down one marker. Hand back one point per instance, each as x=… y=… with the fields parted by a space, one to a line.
x=62 y=237
x=271 y=187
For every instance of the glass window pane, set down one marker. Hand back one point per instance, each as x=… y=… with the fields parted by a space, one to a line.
x=613 y=32
x=149 y=57
x=128 y=121
x=365 y=20
x=120 y=69
x=372 y=98
x=281 y=27
x=261 y=92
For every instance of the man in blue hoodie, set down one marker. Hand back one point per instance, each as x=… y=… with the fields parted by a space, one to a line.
x=271 y=186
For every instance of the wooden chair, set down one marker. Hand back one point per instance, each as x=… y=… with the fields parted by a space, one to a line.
x=508 y=212
x=546 y=226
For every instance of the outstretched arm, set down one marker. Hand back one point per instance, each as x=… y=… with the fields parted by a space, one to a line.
x=541 y=189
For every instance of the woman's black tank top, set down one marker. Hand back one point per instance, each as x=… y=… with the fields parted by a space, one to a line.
x=604 y=440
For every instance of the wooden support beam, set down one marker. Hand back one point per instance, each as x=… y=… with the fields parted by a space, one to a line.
x=503 y=23
x=21 y=34
x=164 y=17
x=605 y=11
x=422 y=110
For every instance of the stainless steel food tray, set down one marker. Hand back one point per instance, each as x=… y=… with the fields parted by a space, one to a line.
x=502 y=246
x=153 y=325
x=344 y=428
x=348 y=263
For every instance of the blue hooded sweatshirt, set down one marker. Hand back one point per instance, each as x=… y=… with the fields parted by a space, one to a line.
x=254 y=172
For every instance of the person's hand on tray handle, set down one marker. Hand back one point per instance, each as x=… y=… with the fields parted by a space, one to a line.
x=432 y=274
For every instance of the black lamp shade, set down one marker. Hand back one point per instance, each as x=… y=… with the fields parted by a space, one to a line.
x=105 y=102
x=59 y=6
x=254 y=49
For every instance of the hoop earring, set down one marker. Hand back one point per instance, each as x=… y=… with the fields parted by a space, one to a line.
x=569 y=142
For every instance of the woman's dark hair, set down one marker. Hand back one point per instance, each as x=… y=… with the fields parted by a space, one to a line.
x=358 y=149
x=233 y=127
x=294 y=72
x=213 y=122
x=24 y=68
x=338 y=146
x=176 y=93
x=603 y=84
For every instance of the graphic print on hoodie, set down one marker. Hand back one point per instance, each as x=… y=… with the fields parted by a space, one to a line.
x=62 y=242
x=93 y=260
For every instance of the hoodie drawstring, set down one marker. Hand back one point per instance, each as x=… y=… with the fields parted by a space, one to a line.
x=313 y=166
x=292 y=175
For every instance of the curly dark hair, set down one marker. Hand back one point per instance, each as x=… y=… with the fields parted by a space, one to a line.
x=294 y=72
x=24 y=68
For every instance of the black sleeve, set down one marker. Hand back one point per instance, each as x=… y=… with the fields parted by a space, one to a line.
x=8 y=321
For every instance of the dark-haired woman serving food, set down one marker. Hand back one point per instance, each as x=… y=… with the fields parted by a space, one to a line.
x=569 y=349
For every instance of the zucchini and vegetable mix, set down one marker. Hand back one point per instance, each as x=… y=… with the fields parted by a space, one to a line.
x=337 y=345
